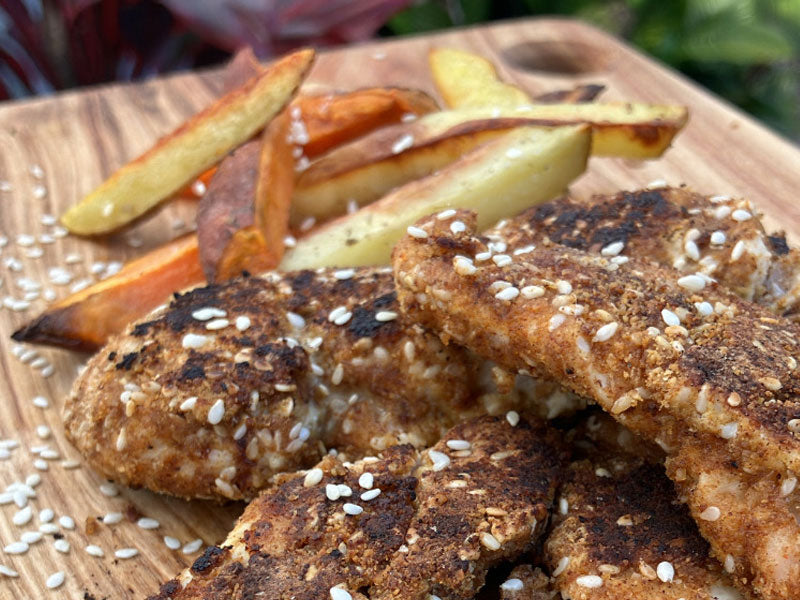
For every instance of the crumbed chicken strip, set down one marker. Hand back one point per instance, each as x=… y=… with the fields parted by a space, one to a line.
x=660 y=352
x=620 y=532
x=527 y=583
x=403 y=525
x=750 y=516
x=659 y=387
x=717 y=236
x=236 y=382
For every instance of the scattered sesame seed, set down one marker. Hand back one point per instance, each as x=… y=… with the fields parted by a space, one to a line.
x=46 y=515
x=712 y=513
x=482 y=256
x=345 y=491
x=366 y=480
x=532 y=291
x=188 y=404
x=738 y=250
x=563 y=563
x=108 y=489
x=171 y=542
x=342 y=319
x=240 y=431
x=31 y=537
x=193 y=340
x=563 y=506
x=665 y=571
x=507 y=294
x=216 y=412
x=670 y=318
x=446 y=214
x=417 y=232
x=43 y=431
x=112 y=518
x=512 y=417
x=489 y=541
x=62 y=546
x=295 y=320
x=217 y=324
x=48 y=528
x=788 y=485
x=729 y=431
x=656 y=184
x=512 y=585
x=718 y=238
x=403 y=143
x=502 y=260
x=55 y=580
x=124 y=553
x=385 y=315
x=352 y=509
x=22 y=516
x=148 y=523
x=458 y=445
x=193 y=546
x=458 y=227
x=242 y=323
x=338 y=593
x=16 y=548
x=605 y=333
x=313 y=477
x=93 y=550
x=693 y=283
x=464 y=266
x=691 y=249
x=704 y=308
x=8 y=572
x=439 y=459
x=729 y=564
x=66 y=522
x=740 y=215
x=589 y=581
x=555 y=322
x=344 y=274
x=371 y=494
x=332 y=491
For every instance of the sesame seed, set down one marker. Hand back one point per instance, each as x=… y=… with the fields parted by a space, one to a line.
x=336 y=313
x=403 y=143
x=439 y=459
x=216 y=412
x=605 y=332
x=22 y=517
x=502 y=260
x=458 y=227
x=46 y=515
x=48 y=528
x=338 y=593
x=738 y=250
x=43 y=431
x=563 y=563
x=458 y=444
x=352 y=509
x=344 y=274
x=656 y=184
x=446 y=214
x=589 y=581
x=512 y=417
x=295 y=320
x=171 y=542
x=693 y=283
x=665 y=571
x=188 y=404
x=385 y=315
x=108 y=489
x=704 y=308
x=670 y=318
x=691 y=249
x=555 y=322
x=729 y=431
x=124 y=553
x=193 y=340
x=507 y=294
x=148 y=523
x=532 y=291
x=740 y=215
x=771 y=383
x=193 y=546
x=417 y=232
x=66 y=522
x=489 y=541
x=712 y=513
x=313 y=477
x=342 y=319
x=788 y=485
x=464 y=266
x=31 y=537
x=719 y=198
x=794 y=425
x=210 y=312
x=112 y=518
x=344 y=491
x=93 y=550
x=243 y=323
x=55 y=580
x=332 y=491
x=563 y=506
x=512 y=585
x=62 y=546
x=366 y=480
x=482 y=256
x=217 y=324
x=729 y=564
x=371 y=494
x=718 y=238
x=8 y=572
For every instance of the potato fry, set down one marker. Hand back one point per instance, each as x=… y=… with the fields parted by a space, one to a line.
x=260 y=246
x=195 y=146
x=525 y=166
x=333 y=119
x=85 y=320
x=467 y=80
x=587 y=92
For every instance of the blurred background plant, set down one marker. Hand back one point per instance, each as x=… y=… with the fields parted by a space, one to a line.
x=747 y=51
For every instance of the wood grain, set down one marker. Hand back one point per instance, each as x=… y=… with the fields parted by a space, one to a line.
x=79 y=138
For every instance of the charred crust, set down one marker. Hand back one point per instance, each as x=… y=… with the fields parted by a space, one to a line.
x=210 y=558
x=127 y=361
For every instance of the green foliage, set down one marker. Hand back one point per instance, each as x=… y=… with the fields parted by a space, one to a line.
x=747 y=51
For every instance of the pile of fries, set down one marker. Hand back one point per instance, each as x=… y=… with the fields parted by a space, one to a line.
x=343 y=174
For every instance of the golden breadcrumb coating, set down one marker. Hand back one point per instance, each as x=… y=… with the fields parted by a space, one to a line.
x=526 y=582
x=403 y=525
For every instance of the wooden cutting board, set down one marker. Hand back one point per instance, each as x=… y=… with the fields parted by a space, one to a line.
x=78 y=138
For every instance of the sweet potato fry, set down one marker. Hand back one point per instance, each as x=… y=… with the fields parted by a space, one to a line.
x=84 y=321
x=190 y=150
x=333 y=119
x=260 y=246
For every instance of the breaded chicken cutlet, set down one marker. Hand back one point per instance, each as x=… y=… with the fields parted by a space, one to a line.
x=236 y=382
x=665 y=353
x=401 y=526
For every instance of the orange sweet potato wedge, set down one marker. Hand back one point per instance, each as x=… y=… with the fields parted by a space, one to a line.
x=194 y=147
x=259 y=247
x=85 y=320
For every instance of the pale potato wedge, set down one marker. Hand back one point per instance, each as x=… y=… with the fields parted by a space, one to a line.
x=464 y=79
x=195 y=146
x=623 y=129
x=526 y=166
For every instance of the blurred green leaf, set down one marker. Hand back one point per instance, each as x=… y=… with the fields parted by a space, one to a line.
x=734 y=41
x=418 y=18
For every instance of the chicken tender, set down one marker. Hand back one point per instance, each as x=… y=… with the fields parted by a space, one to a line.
x=403 y=525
